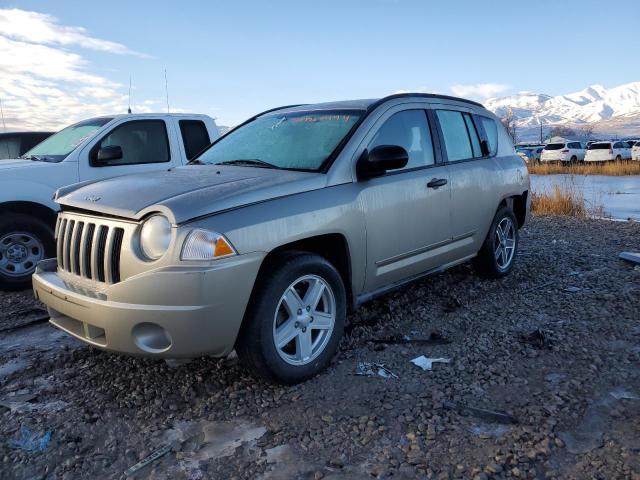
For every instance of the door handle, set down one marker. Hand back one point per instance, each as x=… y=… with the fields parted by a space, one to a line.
x=437 y=182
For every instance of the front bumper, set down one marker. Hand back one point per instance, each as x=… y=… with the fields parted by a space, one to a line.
x=170 y=312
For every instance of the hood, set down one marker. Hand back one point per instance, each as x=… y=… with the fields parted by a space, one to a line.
x=8 y=163
x=188 y=192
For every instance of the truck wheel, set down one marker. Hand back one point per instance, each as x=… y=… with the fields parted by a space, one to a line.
x=24 y=241
x=295 y=319
x=498 y=253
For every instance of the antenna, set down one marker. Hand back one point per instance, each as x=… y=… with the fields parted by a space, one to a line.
x=129 y=109
x=166 y=88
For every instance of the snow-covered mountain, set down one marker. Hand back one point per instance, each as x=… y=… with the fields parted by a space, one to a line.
x=616 y=108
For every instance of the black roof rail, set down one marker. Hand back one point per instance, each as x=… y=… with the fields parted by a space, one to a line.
x=422 y=95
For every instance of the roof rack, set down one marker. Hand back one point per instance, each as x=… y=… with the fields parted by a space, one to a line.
x=422 y=95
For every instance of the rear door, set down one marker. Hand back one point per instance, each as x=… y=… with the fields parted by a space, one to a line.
x=407 y=221
x=474 y=177
x=145 y=144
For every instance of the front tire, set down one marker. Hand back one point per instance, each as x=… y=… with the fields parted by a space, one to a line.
x=498 y=253
x=24 y=241
x=295 y=318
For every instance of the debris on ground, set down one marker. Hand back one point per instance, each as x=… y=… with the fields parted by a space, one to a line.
x=426 y=363
x=452 y=305
x=494 y=416
x=30 y=441
x=370 y=369
x=630 y=256
x=155 y=455
x=622 y=394
x=435 y=338
x=538 y=338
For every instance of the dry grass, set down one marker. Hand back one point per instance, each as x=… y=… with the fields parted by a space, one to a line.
x=566 y=201
x=605 y=168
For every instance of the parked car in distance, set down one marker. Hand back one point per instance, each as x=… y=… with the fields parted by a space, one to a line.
x=635 y=151
x=14 y=144
x=607 y=152
x=563 y=152
x=529 y=152
x=90 y=150
x=283 y=225
x=524 y=153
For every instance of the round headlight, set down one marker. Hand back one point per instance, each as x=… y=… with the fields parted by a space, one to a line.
x=155 y=237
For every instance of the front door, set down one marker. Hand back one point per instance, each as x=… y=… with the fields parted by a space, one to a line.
x=406 y=211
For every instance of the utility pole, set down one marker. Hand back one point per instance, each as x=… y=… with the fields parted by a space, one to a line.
x=540 y=132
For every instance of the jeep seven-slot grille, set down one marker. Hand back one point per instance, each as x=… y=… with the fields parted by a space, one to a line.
x=89 y=249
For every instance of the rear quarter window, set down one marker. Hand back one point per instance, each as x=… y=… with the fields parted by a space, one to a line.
x=491 y=132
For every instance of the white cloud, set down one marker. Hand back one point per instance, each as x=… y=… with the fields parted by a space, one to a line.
x=479 y=90
x=45 y=85
x=41 y=28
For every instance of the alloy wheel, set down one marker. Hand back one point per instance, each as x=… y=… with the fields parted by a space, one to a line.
x=304 y=320
x=505 y=241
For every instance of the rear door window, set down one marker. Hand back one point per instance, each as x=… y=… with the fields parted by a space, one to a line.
x=409 y=130
x=195 y=137
x=456 y=136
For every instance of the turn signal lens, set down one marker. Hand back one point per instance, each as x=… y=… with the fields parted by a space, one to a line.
x=205 y=245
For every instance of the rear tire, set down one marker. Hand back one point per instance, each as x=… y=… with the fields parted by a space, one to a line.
x=618 y=158
x=24 y=241
x=285 y=337
x=574 y=160
x=498 y=253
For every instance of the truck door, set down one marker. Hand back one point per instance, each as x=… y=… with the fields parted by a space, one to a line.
x=133 y=146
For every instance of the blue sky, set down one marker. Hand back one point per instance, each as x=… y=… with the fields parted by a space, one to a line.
x=231 y=59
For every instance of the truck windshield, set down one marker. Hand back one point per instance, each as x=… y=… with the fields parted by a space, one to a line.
x=58 y=146
x=295 y=140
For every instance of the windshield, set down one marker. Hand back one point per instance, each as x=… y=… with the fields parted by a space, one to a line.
x=600 y=146
x=58 y=146
x=554 y=146
x=297 y=141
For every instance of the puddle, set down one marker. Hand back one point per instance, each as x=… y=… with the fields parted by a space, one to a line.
x=486 y=431
x=13 y=366
x=589 y=434
x=620 y=196
x=43 y=337
x=198 y=442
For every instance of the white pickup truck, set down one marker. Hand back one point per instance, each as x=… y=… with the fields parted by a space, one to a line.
x=90 y=150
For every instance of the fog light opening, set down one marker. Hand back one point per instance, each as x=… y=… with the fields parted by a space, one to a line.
x=151 y=338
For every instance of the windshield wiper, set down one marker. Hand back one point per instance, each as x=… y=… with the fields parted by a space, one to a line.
x=252 y=162
x=32 y=157
x=196 y=161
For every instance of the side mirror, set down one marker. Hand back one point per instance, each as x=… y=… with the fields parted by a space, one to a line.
x=108 y=154
x=382 y=158
x=484 y=148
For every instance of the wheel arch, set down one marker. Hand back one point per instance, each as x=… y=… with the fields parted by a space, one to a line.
x=518 y=204
x=334 y=247
x=33 y=209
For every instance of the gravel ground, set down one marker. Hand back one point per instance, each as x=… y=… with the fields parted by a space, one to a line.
x=542 y=382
